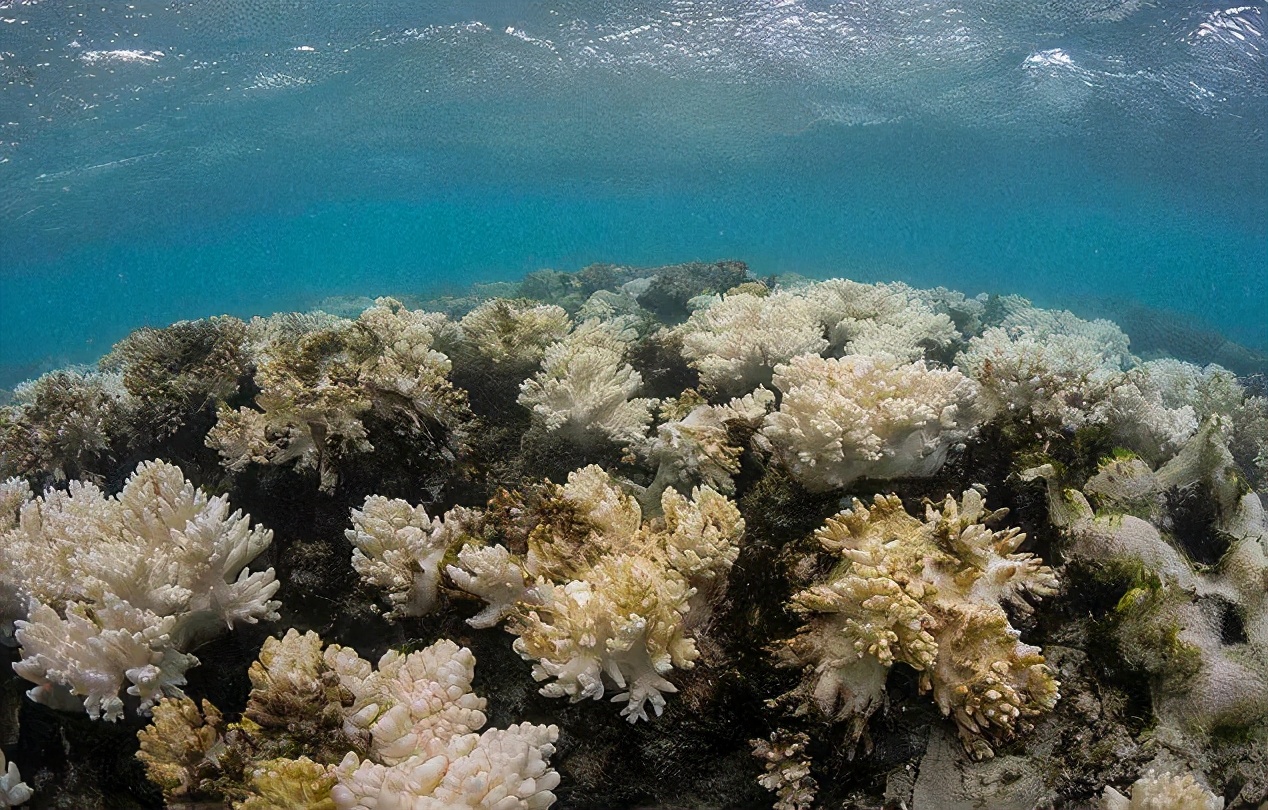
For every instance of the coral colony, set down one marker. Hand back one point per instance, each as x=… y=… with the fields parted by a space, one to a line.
x=823 y=544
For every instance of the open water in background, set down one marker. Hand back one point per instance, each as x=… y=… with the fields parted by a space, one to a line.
x=169 y=160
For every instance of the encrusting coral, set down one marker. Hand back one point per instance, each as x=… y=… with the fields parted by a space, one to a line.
x=863 y=416
x=600 y=594
x=317 y=388
x=120 y=587
x=929 y=594
x=326 y=730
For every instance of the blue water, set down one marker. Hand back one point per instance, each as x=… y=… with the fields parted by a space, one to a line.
x=168 y=160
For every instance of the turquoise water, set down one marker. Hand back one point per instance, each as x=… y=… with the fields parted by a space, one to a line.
x=161 y=161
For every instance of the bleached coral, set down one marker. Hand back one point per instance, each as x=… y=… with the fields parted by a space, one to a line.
x=398 y=548
x=1047 y=365
x=861 y=416
x=1171 y=621
x=410 y=736
x=318 y=383
x=586 y=388
x=63 y=425
x=119 y=587
x=13 y=791
x=516 y=332
x=1159 y=405
x=1163 y=791
x=787 y=769
x=602 y=593
x=703 y=446
x=736 y=340
x=930 y=594
x=889 y=319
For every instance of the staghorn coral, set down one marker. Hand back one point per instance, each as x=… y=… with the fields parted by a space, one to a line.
x=929 y=594
x=601 y=593
x=317 y=386
x=13 y=791
x=1163 y=791
x=402 y=735
x=585 y=389
x=119 y=587
x=890 y=319
x=736 y=340
x=860 y=416
x=64 y=425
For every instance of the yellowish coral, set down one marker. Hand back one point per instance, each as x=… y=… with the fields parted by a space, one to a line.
x=289 y=784
x=601 y=594
x=929 y=594
x=1163 y=791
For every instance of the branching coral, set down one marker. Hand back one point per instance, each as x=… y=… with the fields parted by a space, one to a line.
x=326 y=730
x=787 y=771
x=514 y=332
x=119 y=587
x=736 y=340
x=929 y=594
x=13 y=791
x=396 y=547
x=1163 y=791
x=63 y=426
x=585 y=388
x=176 y=371
x=1047 y=366
x=316 y=387
x=844 y=419
x=889 y=319
x=601 y=593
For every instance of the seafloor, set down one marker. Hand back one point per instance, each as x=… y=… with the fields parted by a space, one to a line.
x=715 y=541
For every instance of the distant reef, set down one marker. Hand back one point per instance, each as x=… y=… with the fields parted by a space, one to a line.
x=673 y=537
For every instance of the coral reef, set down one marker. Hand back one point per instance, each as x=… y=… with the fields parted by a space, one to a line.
x=602 y=593
x=658 y=481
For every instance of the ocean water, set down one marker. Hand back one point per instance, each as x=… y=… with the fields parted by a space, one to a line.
x=170 y=160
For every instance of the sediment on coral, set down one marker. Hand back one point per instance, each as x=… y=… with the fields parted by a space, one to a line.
x=720 y=501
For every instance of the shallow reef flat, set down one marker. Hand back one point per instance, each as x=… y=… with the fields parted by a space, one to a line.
x=674 y=537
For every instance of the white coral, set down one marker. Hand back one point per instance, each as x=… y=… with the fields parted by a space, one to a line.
x=1048 y=365
x=13 y=791
x=398 y=548
x=121 y=586
x=889 y=319
x=1163 y=791
x=736 y=340
x=586 y=387
x=426 y=753
x=860 y=416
